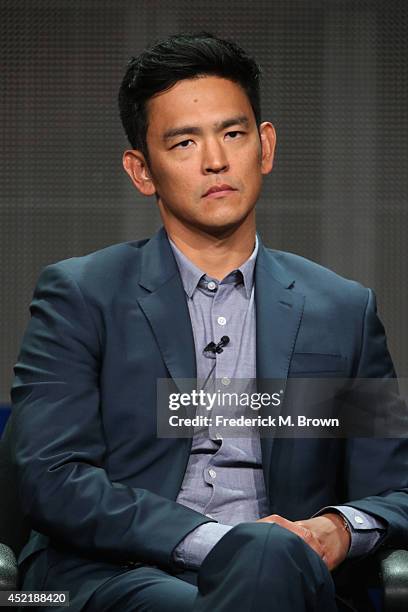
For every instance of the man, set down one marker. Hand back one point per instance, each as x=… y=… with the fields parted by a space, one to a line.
x=126 y=520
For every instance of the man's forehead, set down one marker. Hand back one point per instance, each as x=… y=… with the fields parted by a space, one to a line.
x=210 y=102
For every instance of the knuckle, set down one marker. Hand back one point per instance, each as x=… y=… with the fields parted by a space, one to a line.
x=308 y=536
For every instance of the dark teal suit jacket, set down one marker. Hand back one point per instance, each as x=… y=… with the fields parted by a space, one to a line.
x=96 y=482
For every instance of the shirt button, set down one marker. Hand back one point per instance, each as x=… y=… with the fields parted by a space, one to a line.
x=212 y=473
x=359 y=519
x=221 y=320
x=211 y=285
x=225 y=381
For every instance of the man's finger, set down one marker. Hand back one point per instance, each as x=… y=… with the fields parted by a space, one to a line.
x=276 y=518
x=303 y=532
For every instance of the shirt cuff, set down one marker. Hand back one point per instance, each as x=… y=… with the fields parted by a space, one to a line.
x=365 y=529
x=193 y=549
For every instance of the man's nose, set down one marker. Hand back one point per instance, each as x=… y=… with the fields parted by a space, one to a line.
x=214 y=158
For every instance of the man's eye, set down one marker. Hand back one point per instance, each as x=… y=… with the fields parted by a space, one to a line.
x=234 y=134
x=184 y=144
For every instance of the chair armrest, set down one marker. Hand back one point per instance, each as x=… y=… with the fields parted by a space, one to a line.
x=8 y=569
x=392 y=568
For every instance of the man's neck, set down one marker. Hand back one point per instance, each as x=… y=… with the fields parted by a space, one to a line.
x=217 y=256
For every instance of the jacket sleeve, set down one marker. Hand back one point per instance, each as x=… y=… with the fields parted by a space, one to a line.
x=60 y=446
x=376 y=464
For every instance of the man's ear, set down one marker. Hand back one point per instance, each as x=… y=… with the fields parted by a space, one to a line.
x=268 y=141
x=135 y=165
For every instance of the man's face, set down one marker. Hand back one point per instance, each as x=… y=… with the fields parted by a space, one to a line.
x=206 y=154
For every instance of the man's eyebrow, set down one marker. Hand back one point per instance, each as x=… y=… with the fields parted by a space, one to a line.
x=240 y=120
x=219 y=125
x=181 y=131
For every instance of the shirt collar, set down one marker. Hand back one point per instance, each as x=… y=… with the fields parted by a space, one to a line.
x=191 y=274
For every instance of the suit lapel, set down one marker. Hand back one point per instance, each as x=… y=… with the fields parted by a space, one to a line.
x=279 y=310
x=165 y=306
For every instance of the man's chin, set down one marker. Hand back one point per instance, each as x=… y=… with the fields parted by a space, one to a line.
x=224 y=221
x=221 y=227
x=223 y=224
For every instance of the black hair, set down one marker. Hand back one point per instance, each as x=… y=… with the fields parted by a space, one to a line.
x=179 y=57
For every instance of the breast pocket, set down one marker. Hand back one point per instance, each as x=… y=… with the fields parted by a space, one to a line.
x=314 y=382
x=309 y=365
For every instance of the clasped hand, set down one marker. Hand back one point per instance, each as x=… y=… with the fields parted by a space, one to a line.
x=326 y=534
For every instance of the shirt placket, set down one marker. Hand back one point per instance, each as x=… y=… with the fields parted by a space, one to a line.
x=220 y=326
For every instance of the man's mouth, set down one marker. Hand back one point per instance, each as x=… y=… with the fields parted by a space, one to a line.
x=218 y=190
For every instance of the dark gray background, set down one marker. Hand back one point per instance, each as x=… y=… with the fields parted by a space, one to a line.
x=335 y=86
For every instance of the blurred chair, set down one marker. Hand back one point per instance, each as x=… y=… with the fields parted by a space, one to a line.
x=14 y=529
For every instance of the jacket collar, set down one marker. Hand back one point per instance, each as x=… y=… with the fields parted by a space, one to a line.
x=279 y=309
